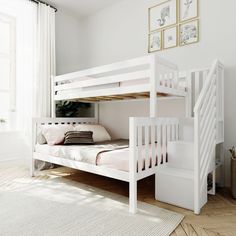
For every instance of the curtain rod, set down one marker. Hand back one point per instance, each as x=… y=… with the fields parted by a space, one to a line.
x=39 y=1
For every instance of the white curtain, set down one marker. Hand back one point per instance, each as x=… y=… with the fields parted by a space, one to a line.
x=46 y=60
x=36 y=64
x=35 y=61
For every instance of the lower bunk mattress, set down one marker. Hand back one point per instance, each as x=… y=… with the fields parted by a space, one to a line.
x=112 y=154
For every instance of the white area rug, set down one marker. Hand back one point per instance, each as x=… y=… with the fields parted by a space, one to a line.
x=59 y=206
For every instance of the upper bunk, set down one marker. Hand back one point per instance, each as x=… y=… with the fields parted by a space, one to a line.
x=145 y=77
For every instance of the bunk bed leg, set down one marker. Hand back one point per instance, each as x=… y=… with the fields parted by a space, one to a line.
x=156 y=186
x=133 y=196
x=214 y=182
x=222 y=168
x=132 y=166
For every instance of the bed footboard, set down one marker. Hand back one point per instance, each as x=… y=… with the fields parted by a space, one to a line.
x=148 y=139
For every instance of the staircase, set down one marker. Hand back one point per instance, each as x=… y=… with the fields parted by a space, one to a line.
x=183 y=180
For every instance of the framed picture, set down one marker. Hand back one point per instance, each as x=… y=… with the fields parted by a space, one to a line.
x=189 y=33
x=170 y=37
x=188 y=9
x=155 y=41
x=162 y=15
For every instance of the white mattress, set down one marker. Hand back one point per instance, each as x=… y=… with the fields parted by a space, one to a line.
x=116 y=159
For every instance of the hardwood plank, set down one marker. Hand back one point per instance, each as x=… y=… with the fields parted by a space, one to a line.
x=180 y=231
x=189 y=229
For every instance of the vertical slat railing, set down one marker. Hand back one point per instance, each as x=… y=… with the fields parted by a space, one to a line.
x=150 y=142
x=205 y=123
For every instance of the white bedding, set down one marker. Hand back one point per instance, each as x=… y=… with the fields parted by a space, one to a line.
x=116 y=159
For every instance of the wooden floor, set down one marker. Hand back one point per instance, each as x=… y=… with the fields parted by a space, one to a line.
x=218 y=217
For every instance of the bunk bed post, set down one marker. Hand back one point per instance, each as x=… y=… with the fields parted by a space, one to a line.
x=154 y=81
x=53 y=110
x=132 y=167
x=96 y=111
x=189 y=105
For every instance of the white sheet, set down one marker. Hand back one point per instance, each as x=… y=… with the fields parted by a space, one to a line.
x=117 y=159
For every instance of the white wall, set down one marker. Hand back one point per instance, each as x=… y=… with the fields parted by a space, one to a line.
x=69 y=43
x=121 y=31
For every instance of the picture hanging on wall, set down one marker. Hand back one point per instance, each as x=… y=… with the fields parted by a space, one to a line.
x=170 y=37
x=188 y=9
x=189 y=33
x=155 y=41
x=162 y=15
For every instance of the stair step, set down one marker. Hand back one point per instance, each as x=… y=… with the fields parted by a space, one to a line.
x=181 y=154
x=176 y=186
x=177 y=172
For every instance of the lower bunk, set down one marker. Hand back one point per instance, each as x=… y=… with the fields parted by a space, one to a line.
x=127 y=160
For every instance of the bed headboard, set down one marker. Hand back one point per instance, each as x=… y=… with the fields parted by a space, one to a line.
x=37 y=122
x=43 y=121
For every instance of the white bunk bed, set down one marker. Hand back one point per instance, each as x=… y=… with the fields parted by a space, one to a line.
x=149 y=137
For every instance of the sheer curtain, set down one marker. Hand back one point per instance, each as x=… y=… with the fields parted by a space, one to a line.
x=35 y=60
x=46 y=60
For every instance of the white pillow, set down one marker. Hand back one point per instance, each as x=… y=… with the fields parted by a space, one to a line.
x=55 y=134
x=99 y=132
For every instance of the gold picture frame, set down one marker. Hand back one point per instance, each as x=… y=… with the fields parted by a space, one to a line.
x=188 y=8
x=163 y=13
x=170 y=34
x=155 y=44
x=190 y=34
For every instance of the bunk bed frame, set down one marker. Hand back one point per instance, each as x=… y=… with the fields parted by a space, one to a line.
x=147 y=77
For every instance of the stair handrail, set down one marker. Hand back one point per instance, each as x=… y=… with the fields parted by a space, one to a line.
x=205 y=121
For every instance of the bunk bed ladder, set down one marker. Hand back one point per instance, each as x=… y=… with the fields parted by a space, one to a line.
x=208 y=131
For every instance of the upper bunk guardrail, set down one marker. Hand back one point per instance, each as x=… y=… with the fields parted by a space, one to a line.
x=144 y=74
x=103 y=69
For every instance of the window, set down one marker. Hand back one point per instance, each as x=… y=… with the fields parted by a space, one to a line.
x=7 y=66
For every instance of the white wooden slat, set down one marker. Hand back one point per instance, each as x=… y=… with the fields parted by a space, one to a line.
x=173 y=132
x=204 y=136
x=147 y=155
x=164 y=143
x=176 y=80
x=104 y=80
x=159 y=144
x=208 y=98
x=207 y=147
x=172 y=79
x=167 y=80
x=205 y=110
x=177 y=131
x=140 y=149
x=104 y=69
x=153 y=146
